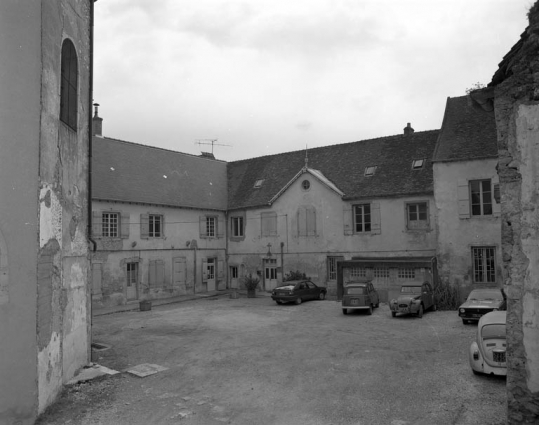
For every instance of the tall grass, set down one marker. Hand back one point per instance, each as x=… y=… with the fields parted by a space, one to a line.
x=447 y=296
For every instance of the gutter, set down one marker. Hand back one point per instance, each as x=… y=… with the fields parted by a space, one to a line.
x=90 y=129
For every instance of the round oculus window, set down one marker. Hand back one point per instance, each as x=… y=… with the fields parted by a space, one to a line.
x=306 y=184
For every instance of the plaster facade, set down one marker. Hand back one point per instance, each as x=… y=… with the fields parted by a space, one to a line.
x=458 y=231
x=43 y=174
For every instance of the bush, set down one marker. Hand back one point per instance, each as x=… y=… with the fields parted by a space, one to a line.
x=250 y=282
x=447 y=297
x=297 y=275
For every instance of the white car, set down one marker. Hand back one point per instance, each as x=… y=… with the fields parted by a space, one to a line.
x=487 y=353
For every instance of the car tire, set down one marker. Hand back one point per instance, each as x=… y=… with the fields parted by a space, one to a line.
x=393 y=314
x=278 y=301
x=420 y=311
x=475 y=372
x=369 y=311
x=377 y=304
x=464 y=322
x=322 y=296
x=298 y=301
x=344 y=311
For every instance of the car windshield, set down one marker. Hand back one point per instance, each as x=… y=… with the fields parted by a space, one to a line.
x=493 y=331
x=356 y=290
x=411 y=290
x=482 y=295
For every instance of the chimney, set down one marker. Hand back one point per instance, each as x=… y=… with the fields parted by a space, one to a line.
x=97 y=123
x=408 y=130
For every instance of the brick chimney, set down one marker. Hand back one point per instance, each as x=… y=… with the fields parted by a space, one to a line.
x=408 y=130
x=97 y=122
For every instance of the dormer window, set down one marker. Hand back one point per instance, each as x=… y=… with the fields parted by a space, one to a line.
x=369 y=171
x=417 y=164
x=258 y=183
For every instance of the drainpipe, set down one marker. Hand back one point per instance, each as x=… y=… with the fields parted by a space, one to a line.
x=282 y=260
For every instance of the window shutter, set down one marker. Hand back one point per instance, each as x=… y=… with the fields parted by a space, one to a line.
x=311 y=221
x=220 y=227
x=376 y=221
x=160 y=273
x=202 y=226
x=496 y=199
x=463 y=195
x=347 y=220
x=97 y=224
x=178 y=271
x=302 y=221
x=124 y=223
x=204 y=271
x=144 y=226
x=152 y=274
x=220 y=269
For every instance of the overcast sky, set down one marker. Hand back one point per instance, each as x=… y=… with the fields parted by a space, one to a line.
x=270 y=76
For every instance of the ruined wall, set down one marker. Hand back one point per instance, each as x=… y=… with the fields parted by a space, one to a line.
x=457 y=235
x=517 y=120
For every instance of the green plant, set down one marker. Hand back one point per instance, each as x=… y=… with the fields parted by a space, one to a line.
x=250 y=282
x=297 y=275
x=447 y=296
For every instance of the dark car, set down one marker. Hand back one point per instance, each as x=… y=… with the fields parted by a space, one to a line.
x=415 y=298
x=359 y=296
x=298 y=291
x=481 y=302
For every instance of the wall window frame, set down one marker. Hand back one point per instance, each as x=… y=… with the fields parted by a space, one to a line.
x=155 y=225
x=417 y=215
x=362 y=218
x=110 y=224
x=483 y=264
x=69 y=76
x=332 y=267
x=237 y=227
x=481 y=197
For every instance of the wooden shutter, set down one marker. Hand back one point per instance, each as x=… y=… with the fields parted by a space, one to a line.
x=152 y=274
x=496 y=205
x=144 y=226
x=204 y=271
x=463 y=196
x=160 y=273
x=376 y=221
x=97 y=224
x=124 y=225
x=178 y=271
x=220 y=269
x=311 y=221
x=347 y=219
x=220 y=231
x=202 y=226
x=302 y=221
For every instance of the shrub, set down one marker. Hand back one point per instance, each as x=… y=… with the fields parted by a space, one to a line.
x=250 y=282
x=297 y=275
x=447 y=297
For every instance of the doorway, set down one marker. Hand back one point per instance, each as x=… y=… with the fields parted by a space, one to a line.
x=132 y=281
x=210 y=274
x=270 y=273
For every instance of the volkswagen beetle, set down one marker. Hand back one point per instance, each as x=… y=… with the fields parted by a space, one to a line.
x=487 y=352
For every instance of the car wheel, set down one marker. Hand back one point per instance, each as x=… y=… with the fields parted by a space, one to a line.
x=420 y=311
x=278 y=301
x=369 y=311
x=321 y=296
x=464 y=322
x=475 y=372
x=377 y=304
x=298 y=300
x=344 y=311
x=393 y=314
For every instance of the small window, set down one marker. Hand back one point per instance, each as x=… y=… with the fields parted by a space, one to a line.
x=481 y=197
x=110 y=225
x=381 y=272
x=358 y=272
x=417 y=164
x=369 y=171
x=417 y=216
x=234 y=272
x=406 y=274
x=155 y=226
x=236 y=226
x=211 y=226
x=332 y=267
x=362 y=218
x=258 y=183
x=305 y=185
x=484 y=264
x=69 y=85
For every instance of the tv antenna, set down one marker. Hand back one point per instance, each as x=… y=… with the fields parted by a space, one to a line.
x=212 y=142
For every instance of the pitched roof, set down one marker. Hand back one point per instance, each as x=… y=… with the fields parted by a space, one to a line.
x=344 y=166
x=129 y=172
x=468 y=132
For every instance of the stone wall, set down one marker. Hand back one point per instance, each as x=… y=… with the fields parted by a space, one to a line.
x=517 y=118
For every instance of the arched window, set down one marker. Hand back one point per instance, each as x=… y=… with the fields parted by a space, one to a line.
x=69 y=85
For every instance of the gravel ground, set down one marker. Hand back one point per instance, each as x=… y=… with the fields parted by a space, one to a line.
x=251 y=361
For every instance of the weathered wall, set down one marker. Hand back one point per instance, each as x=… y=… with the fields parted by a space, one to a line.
x=457 y=235
x=181 y=228
x=63 y=310
x=20 y=90
x=517 y=120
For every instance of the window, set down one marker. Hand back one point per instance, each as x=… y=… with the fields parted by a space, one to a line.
x=332 y=267
x=155 y=226
x=481 y=197
x=305 y=185
x=258 y=183
x=132 y=274
x=211 y=226
x=236 y=226
x=210 y=273
x=69 y=85
x=417 y=215
x=110 y=223
x=271 y=269
x=268 y=223
x=417 y=164
x=369 y=171
x=406 y=273
x=358 y=272
x=362 y=218
x=381 y=272
x=484 y=264
x=306 y=221
x=233 y=272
